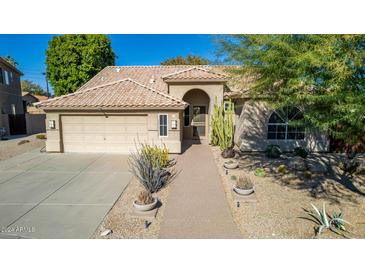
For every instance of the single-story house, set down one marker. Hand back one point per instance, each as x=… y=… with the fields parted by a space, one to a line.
x=29 y=99
x=124 y=105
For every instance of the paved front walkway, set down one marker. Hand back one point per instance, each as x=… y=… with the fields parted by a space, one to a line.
x=197 y=206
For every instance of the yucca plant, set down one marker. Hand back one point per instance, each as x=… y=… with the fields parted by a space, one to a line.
x=325 y=221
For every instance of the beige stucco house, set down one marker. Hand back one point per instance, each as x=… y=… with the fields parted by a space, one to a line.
x=124 y=105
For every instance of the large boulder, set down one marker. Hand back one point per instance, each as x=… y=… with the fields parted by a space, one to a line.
x=297 y=163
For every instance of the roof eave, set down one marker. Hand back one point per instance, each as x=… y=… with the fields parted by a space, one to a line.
x=80 y=109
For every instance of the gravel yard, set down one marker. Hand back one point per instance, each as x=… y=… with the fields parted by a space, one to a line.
x=13 y=147
x=124 y=225
x=277 y=209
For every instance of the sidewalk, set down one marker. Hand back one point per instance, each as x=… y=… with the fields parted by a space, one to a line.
x=196 y=206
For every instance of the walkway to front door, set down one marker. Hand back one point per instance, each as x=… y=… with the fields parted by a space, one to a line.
x=197 y=206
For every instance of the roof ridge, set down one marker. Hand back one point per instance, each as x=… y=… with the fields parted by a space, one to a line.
x=113 y=83
x=82 y=91
x=192 y=68
x=166 y=66
x=157 y=91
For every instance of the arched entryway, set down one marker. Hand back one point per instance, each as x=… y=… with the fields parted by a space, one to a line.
x=196 y=118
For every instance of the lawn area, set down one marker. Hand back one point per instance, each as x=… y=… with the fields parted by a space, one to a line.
x=277 y=208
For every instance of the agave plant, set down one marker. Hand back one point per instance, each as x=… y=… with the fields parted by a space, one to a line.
x=325 y=221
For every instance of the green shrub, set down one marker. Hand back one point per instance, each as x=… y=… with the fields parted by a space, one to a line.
x=41 y=136
x=260 y=172
x=307 y=174
x=273 y=151
x=282 y=169
x=22 y=142
x=301 y=151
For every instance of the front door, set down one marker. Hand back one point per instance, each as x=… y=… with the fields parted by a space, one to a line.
x=199 y=122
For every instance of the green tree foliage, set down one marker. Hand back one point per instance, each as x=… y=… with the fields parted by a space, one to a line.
x=322 y=74
x=33 y=88
x=73 y=59
x=188 y=60
x=11 y=60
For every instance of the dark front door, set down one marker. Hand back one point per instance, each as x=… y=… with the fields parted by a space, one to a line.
x=17 y=124
x=199 y=122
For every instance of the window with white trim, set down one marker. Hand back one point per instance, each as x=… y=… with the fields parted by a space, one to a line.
x=162 y=121
x=284 y=124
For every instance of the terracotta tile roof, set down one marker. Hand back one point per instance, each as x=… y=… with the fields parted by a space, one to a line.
x=38 y=97
x=121 y=94
x=151 y=76
x=195 y=73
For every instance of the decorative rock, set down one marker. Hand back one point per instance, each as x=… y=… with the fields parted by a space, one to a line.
x=106 y=232
x=360 y=170
x=228 y=153
x=284 y=157
x=297 y=163
x=316 y=166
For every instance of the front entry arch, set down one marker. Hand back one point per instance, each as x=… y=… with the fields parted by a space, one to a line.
x=196 y=115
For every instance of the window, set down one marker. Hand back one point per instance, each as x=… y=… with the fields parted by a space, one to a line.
x=1 y=76
x=162 y=118
x=13 y=110
x=6 y=74
x=284 y=124
x=187 y=116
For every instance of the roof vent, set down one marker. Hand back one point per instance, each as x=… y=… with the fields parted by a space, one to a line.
x=118 y=69
x=152 y=80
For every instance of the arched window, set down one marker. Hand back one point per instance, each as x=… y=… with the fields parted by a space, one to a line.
x=281 y=126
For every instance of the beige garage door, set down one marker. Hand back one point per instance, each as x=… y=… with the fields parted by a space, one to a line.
x=115 y=134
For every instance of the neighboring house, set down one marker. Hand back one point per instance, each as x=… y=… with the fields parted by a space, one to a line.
x=29 y=99
x=11 y=104
x=125 y=105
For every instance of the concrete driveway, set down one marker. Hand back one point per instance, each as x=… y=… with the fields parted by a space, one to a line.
x=59 y=195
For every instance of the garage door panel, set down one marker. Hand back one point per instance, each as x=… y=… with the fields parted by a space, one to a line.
x=116 y=134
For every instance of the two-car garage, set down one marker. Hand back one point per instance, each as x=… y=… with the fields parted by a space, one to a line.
x=102 y=133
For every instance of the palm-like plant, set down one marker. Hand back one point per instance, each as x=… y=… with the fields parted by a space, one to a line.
x=334 y=223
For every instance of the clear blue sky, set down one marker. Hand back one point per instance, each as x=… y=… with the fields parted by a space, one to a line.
x=29 y=50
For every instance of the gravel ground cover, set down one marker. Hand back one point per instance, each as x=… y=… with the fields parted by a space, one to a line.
x=124 y=225
x=278 y=210
x=11 y=148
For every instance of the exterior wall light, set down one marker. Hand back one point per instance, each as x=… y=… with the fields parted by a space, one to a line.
x=174 y=124
x=51 y=124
